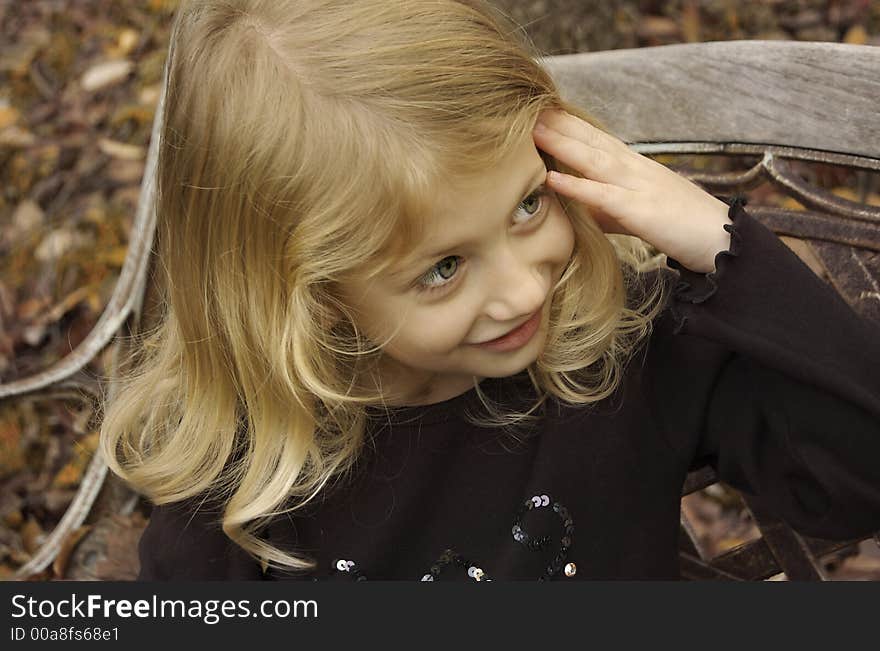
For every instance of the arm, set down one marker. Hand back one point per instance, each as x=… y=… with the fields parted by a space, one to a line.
x=758 y=366
x=762 y=370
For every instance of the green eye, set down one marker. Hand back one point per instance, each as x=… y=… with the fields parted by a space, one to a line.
x=442 y=266
x=536 y=201
x=443 y=271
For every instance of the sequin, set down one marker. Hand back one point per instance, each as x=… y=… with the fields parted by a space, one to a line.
x=350 y=567
x=519 y=535
x=541 y=543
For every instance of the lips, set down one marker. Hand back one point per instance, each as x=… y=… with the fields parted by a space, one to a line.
x=516 y=338
x=526 y=320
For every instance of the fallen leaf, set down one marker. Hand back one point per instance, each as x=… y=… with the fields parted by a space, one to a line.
x=58 y=242
x=8 y=116
x=873 y=199
x=33 y=334
x=17 y=57
x=149 y=95
x=125 y=43
x=32 y=535
x=127 y=171
x=28 y=216
x=13 y=519
x=856 y=35
x=66 y=304
x=105 y=74
x=16 y=137
x=71 y=473
x=658 y=27
x=115 y=257
x=11 y=452
x=59 y=565
x=121 y=149
x=137 y=112
x=790 y=203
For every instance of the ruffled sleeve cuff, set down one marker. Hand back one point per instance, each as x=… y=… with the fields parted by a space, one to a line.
x=695 y=287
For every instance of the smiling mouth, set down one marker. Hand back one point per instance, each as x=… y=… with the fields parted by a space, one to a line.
x=489 y=341
x=511 y=331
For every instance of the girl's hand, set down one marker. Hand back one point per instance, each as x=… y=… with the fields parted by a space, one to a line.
x=631 y=194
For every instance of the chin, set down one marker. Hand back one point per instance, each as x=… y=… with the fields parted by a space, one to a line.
x=511 y=368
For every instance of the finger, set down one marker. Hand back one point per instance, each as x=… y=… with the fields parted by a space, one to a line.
x=600 y=198
x=574 y=127
x=593 y=163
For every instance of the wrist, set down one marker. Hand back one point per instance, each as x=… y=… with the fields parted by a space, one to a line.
x=718 y=243
x=710 y=239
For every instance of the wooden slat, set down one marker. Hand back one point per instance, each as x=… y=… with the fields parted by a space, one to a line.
x=801 y=94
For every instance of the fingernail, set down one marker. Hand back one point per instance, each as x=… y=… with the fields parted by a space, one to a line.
x=540 y=127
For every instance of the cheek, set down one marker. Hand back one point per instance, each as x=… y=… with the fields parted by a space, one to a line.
x=561 y=233
x=372 y=318
x=436 y=331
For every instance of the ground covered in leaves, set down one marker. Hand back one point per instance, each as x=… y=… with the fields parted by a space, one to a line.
x=79 y=84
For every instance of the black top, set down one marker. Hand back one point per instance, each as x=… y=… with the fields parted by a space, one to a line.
x=759 y=368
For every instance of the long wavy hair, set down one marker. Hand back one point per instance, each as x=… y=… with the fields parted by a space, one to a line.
x=301 y=143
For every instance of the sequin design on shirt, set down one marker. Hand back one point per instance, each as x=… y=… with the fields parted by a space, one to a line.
x=475 y=571
x=344 y=565
x=539 y=544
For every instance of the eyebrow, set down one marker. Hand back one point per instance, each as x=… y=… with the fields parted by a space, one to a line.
x=531 y=185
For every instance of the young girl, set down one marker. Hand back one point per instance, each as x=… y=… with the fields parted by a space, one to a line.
x=397 y=347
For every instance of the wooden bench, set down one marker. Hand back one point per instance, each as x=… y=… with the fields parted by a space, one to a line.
x=775 y=105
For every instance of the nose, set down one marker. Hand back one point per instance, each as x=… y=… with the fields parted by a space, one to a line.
x=516 y=288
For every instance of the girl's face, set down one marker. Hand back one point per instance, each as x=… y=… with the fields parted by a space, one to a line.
x=494 y=248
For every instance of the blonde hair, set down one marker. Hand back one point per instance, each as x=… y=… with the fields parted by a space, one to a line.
x=300 y=144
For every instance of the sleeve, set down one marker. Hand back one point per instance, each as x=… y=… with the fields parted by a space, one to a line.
x=764 y=371
x=184 y=541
